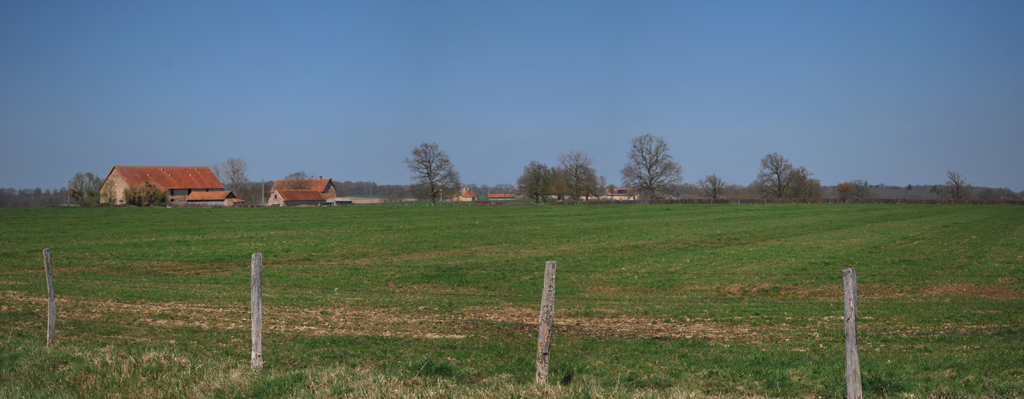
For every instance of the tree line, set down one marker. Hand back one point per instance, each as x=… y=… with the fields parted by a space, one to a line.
x=650 y=172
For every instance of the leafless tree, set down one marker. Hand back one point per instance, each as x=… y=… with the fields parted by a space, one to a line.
x=537 y=181
x=650 y=169
x=233 y=174
x=774 y=176
x=577 y=173
x=712 y=186
x=997 y=194
x=860 y=189
x=956 y=186
x=598 y=188
x=801 y=185
x=432 y=172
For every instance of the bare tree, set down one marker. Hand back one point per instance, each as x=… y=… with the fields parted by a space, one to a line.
x=233 y=174
x=85 y=188
x=801 y=185
x=956 y=186
x=537 y=181
x=598 y=187
x=711 y=185
x=650 y=169
x=774 y=176
x=577 y=173
x=997 y=194
x=859 y=189
x=433 y=174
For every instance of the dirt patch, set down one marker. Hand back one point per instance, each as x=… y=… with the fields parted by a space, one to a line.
x=426 y=323
x=975 y=291
x=763 y=290
x=886 y=291
x=753 y=291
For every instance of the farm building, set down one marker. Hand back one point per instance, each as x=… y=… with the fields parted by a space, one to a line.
x=213 y=198
x=621 y=194
x=465 y=195
x=321 y=185
x=296 y=198
x=339 y=201
x=179 y=181
x=501 y=197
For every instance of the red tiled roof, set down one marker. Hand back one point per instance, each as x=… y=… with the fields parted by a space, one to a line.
x=320 y=185
x=467 y=193
x=512 y=196
x=170 y=177
x=301 y=195
x=236 y=200
x=210 y=196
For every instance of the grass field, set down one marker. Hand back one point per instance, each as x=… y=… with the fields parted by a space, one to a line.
x=382 y=301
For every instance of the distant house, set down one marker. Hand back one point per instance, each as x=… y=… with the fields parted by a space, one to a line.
x=179 y=181
x=465 y=195
x=339 y=201
x=501 y=197
x=321 y=185
x=296 y=198
x=213 y=198
x=621 y=194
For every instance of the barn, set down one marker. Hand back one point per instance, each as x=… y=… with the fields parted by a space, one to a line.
x=296 y=198
x=213 y=198
x=320 y=185
x=501 y=197
x=465 y=195
x=179 y=181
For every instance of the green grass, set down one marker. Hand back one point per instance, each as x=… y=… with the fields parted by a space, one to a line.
x=652 y=300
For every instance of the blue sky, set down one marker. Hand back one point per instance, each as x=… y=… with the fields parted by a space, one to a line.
x=888 y=92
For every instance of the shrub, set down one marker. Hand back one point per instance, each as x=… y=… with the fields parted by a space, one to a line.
x=144 y=194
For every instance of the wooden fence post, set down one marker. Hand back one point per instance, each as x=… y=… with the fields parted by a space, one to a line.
x=256 y=305
x=51 y=308
x=547 y=323
x=853 y=386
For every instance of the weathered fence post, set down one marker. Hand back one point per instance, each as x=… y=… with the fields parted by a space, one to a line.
x=51 y=304
x=256 y=306
x=547 y=323
x=853 y=386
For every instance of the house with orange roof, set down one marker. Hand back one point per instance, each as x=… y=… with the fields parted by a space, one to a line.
x=320 y=185
x=296 y=198
x=465 y=195
x=179 y=181
x=501 y=197
x=621 y=194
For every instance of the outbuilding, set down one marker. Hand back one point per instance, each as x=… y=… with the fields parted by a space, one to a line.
x=213 y=198
x=339 y=201
x=296 y=198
